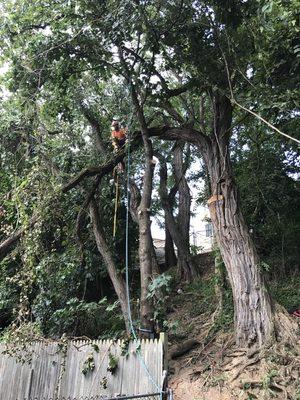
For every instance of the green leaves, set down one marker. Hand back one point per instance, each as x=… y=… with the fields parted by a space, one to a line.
x=113 y=362
x=160 y=282
x=158 y=291
x=88 y=365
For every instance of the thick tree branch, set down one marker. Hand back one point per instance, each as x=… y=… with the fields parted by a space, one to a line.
x=162 y=132
x=101 y=170
x=96 y=128
x=7 y=245
x=186 y=134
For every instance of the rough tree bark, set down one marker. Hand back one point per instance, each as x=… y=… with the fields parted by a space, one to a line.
x=252 y=303
x=116 y=278
x=220 y=280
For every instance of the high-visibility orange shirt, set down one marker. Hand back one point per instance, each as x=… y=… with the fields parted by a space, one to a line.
x=120 y=134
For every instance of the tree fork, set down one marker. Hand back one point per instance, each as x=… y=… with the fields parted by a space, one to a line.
x=186 y=265
x=164 y=132
x=185 y=262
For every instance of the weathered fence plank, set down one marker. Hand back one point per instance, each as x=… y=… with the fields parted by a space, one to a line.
x=54 y=370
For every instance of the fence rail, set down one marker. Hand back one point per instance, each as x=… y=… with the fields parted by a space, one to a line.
x=81 y=370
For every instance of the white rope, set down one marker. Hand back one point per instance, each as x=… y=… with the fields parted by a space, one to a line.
x=265 y=121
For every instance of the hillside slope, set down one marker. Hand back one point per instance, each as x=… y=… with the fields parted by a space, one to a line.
x=213 y=368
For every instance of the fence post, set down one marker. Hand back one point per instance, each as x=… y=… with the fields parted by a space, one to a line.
x=164 y=339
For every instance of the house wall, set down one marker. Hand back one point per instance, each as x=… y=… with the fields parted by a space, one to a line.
x=198 y=231
x=201 y=234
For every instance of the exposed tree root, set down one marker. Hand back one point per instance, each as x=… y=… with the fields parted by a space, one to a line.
x=243 y=367
x=217 y=369
x=253 y=373
x=286 y=328
x=183 y=348
x=273 y=372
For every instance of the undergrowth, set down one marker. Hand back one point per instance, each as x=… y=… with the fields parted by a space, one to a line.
x=198 y=298
x=204 y=291
x=207 y=302
x=286 y=292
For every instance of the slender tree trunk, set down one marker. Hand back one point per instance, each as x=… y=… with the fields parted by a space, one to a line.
x=170 y=256
x=116 y=278
x=146 y=250
x=135 y=201
x=143 y=214
x=252 y=303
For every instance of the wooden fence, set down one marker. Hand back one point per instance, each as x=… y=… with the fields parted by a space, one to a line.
x=75 y=369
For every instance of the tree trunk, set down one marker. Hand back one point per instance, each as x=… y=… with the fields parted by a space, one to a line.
x=145 y=239
x=252 y=303
x=182 y=243
x=146 y=251
x=170 y=256
x=135 y=201
x=116 y=278
x=186 y=266
x=147 y=259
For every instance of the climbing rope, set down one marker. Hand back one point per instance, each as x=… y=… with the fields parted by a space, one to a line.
x=132 y=329
x=152 y=379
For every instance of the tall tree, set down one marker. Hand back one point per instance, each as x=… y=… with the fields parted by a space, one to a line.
x=173 y=56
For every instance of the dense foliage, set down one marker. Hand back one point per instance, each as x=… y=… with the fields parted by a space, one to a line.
x=62 y=83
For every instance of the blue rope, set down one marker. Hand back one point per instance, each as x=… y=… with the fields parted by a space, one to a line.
x=127 y=274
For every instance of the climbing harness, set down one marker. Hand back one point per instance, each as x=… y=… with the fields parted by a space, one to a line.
x=118 y=134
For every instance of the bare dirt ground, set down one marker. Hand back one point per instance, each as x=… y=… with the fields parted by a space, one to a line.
x=216 y=370
x=197 y=375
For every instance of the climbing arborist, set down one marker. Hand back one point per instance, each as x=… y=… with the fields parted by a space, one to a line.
x=118 y=134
